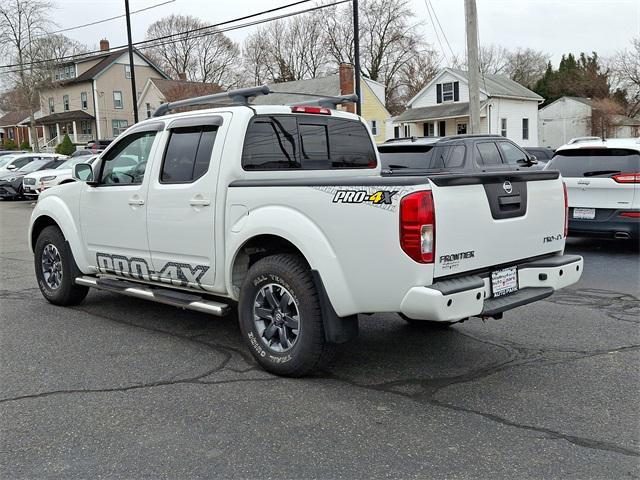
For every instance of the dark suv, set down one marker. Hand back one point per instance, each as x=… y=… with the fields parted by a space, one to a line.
x=459 y=153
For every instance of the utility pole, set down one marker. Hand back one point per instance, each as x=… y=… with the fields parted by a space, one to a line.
x=473 y=66
x=356 y=54
x=134 y=94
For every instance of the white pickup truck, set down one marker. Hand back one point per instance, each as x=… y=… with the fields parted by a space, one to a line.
x=283 y=210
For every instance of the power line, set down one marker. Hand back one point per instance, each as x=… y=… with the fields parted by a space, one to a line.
x=435 y=30
x=142 y=42
x=435 y=14
x=101 y=21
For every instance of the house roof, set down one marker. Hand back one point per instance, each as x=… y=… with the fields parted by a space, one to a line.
x=167 y=87
x=584 y=100
x=329 y=86
x=623 y=120
x=65 y=116
x=444 y=110
x=490 y=85
x=14 y=118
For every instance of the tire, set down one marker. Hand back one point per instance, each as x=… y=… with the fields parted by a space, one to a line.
x=276 y=287
x=425 y=324
x=53 y=255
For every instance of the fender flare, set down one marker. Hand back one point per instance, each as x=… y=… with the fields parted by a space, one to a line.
x=300 y=231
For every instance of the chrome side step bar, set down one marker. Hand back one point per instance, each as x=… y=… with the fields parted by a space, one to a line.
x=156 y=294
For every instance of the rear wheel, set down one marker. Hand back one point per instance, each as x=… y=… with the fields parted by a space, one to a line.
x=56 y=270
x=280 y=316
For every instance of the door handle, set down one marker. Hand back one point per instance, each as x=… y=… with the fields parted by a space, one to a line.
x=136 y=201
x=199 y=201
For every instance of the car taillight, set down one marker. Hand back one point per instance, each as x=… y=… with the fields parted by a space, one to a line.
x=418 y=226
x=630 y=214
x=627 y=177
x=566 y=210
x=309 y=109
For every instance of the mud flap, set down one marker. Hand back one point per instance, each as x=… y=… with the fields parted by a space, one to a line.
x=336 y=329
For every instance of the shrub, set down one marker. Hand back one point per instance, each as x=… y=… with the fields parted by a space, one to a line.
x=9 y=145
x=25 y=145
x=66 y=147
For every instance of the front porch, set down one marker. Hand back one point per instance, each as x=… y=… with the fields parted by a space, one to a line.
x=79 y=125
x=437 y=121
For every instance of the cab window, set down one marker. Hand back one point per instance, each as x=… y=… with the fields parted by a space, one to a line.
x=126 y=162
x=512 y=154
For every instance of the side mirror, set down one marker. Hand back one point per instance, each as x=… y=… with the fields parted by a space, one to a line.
x=83 y=172
x=11 y=167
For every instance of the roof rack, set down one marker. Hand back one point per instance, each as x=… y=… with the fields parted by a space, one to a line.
x=582 y=139
x=240 y=96
x=327 y=102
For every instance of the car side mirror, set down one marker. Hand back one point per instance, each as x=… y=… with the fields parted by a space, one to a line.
x=11 y=167
x=83 y=172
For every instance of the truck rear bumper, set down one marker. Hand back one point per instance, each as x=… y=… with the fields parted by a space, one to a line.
x=471 y=296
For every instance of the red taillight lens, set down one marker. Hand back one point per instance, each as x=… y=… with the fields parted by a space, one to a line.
x=418 y=226
x=630 y=214
x=627 y=177
x=566 y=210
x=316 y=110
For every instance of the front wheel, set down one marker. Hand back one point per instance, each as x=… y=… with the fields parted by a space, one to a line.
x=56 y=270
x=280 y=316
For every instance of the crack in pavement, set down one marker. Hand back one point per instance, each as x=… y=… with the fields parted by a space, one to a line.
x=615 y=305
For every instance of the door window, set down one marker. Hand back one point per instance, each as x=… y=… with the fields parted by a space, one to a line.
x=125 y=163
x=487 y=154
x=188 y=154
x=512 y=154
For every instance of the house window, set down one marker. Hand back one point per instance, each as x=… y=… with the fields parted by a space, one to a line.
x=119 y=126
x=83 y=100
x=462 y=128
x=11 y=134
x=65 y=102
x=52 y=107
x=148 y=107
x=447 y=92
x=525 y=129
x=117 y=99
x=374 y=127
x=85 y=127
x=503 y=127
x=407 y=130
x=127 y=71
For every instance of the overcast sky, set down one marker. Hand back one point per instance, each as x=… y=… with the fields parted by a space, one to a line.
x=555 y=26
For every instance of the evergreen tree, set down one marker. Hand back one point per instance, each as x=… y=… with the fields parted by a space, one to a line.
x=66 y=147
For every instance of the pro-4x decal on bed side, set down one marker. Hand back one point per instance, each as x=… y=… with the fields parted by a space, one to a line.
x=361 y=196
x=180 y=274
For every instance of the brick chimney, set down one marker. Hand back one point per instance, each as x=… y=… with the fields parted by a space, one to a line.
x=347 y=83
x=182 y=76
x=104 y=45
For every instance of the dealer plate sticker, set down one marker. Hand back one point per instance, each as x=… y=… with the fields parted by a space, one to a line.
x=586 y=213
x=504 y=282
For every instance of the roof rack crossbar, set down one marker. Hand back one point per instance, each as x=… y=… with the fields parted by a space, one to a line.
x=327 y=102
x=240 y=96
x=582 y=139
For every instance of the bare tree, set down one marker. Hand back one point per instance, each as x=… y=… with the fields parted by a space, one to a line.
x=22 y=23
x=204 y=56
x=526 y=65
x=625 y=73
x=414 y=76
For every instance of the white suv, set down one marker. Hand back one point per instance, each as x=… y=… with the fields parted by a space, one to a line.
x=603 y=180
x=36 y=182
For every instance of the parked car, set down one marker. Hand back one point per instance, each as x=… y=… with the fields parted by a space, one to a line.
x=458 y=153
x=11 y=182
x=84 y=152
x=14 y=161
x=603 y=183
x=35 y=183
x=96 y=145
x=543 y=154
x=10 y=152
x=282 y=209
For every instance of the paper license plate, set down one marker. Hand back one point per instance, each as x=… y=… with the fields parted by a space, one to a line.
x=27 y=189
x=586 y=213
x=504 y=282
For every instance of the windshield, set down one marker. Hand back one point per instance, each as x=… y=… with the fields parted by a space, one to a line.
x=405 y=156
x=6 y=159
x=33 y=166
x=71 y=162
x=595 y=162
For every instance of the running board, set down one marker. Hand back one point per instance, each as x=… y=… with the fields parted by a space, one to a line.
x=156 y=294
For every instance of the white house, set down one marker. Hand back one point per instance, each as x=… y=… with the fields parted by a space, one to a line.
x=442 y=108
x=570 y=117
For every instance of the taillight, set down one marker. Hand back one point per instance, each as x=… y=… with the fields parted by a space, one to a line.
x=627 y=177
x=418 y=226
x=630 y=214
x=309 y=109
x=566 y=210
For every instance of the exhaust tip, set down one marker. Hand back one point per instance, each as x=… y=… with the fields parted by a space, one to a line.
x=621 y=236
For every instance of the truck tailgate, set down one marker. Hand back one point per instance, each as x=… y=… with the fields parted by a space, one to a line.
x=491 y=219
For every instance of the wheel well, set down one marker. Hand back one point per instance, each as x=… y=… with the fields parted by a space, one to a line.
x=40 y=224
x=71 y=180
x=255 y=249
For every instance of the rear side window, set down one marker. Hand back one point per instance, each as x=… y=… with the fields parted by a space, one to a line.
x=188 y=154
x=487 y=154
x=306 y=142
x=595 y=162
x=456 y=157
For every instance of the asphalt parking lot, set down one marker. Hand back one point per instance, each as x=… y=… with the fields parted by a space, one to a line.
x=123 y=388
